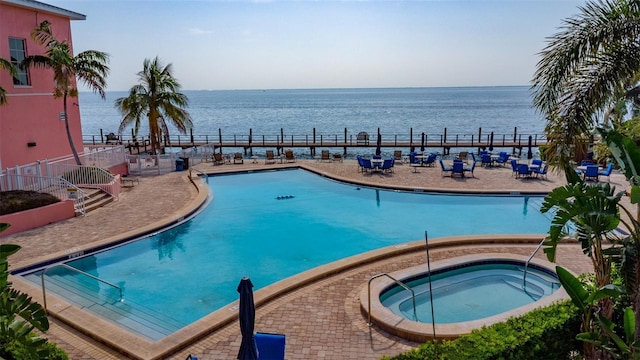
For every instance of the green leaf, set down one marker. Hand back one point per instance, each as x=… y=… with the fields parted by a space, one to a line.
x=574 y=288
x=629 y=323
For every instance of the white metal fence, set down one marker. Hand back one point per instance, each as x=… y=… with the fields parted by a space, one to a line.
x=57 y=187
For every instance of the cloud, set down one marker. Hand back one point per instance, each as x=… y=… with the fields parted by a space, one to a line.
x=197 y=32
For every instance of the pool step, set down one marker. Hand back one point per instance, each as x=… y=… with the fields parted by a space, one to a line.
x=104 y=301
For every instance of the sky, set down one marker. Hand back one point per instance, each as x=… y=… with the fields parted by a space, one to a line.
x=229 y=45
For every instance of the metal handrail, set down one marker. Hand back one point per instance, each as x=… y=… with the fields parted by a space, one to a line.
x=526 y=264
x=413 y=294
x=44 y=293
x=200 y=172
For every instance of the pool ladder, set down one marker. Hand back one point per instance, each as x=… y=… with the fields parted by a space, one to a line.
x=44 y=293
x=526 y=264
x=413 y=294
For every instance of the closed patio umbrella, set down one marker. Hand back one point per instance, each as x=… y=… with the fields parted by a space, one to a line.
x=247 y=317
x=422 y=143
x=491 y=142
x=379 y=145
x=529 y=153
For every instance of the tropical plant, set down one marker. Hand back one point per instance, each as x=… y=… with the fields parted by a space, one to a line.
x=586 y=68
x=88 y=66
x=7 y=65
x=157 y=97
x=19 y=316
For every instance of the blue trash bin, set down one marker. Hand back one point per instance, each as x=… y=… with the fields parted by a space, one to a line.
x=179 y=164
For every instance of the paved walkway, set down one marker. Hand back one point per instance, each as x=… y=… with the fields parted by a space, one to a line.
x=322 y=320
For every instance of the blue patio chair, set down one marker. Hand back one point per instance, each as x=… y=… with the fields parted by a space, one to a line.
x=430 y=160
x=387 y=165
x=367 y=165
x=486 y=160
x=473 y=157
x=606 y=172
x=586 y=163
x=542 y=171
x=445 y=169
x=591 y=173
x=514 y=167
x=270 y=346
x=360 y=163
x=470 y=168
x=523 y=171
x=458 y=168
x=413 y=159
x=503 y=158
x=536 y=162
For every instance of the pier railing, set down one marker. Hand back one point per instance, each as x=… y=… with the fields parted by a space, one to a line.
x=344 y=139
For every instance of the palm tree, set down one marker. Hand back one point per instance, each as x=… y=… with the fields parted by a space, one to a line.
x=6 y=64
x=156 y=96
x=586 y=68
x=89 y=66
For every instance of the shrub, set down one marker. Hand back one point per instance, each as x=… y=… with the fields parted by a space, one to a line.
x=20 y=200
x=546 y=333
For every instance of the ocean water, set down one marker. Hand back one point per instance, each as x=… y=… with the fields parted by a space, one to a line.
x=461 y=110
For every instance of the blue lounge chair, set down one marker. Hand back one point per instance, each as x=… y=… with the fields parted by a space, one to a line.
x=503 y=158
x=367 y=165
x=470 y=168
x=458 y=168
x=606 y=172
x=591 y=173
x=270 y=346
x=514 y=167
x=486 y=160
x=445 y=169
x=536 y=162
x=413 y=159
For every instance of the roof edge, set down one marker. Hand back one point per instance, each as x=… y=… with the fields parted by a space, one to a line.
x=36 y=5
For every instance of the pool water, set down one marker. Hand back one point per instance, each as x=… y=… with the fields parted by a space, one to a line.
x=269 y=226
x=470 y=293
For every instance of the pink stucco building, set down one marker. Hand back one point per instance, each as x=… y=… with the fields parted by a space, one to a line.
x=31 y=128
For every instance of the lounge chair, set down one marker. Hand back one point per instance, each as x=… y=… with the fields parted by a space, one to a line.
x=471 y=168
x=606 y=172
x=541 y=171
x=591 y=173
x=288 y=156
x=325 y=156
x=503 y=158
x=445 y=169
x=237 y=158
x=486 y=160
x=367 y=165
x=218 y=159
x=413 y=158
x=430 y=160
x=337 y=157
x=270 y=346
x=270 y=157
x=458 y=168
x=514 y=167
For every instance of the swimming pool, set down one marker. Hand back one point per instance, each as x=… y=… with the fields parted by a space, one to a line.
x=269 y=226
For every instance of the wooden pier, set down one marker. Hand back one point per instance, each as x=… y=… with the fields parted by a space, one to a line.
x=248 y=142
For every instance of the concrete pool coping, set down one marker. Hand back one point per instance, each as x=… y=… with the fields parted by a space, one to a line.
x=135 y=347
x=385 y=319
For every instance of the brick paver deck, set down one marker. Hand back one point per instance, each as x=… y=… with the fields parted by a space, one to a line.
x=321 y=320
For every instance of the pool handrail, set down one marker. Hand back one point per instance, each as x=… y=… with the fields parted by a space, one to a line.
x=44 y=295
x=413 y=294
x=526 y=264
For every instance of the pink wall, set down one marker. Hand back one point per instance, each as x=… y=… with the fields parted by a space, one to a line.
x=32 y=114
x=30 y=219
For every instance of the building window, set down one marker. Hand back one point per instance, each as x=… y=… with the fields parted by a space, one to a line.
x=18 y=52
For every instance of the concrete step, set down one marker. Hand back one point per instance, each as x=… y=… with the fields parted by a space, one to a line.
x=94 y=199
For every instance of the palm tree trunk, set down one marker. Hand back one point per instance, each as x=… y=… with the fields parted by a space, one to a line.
x=66 y=125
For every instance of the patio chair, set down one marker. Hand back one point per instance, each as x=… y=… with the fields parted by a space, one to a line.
x=397 y=156
x=591 y=173
x=523 y=171
x=367 y=165
x=445 y=169
x=270 y=157
x=387 y=166
x=430 y=160
x=541 y=171
x=537 y=162
x=337 y=157
x=218 y=159
x=606 y=172
x=471 y=168
x=413 y=158
x=237 y=158
x=586 y=163
x=289 y=156
x=486 y=160
x=270 y=346
x=514 y=167
x=463 y=155
x=458 y=168
x=325 y=156
x=503 y=158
